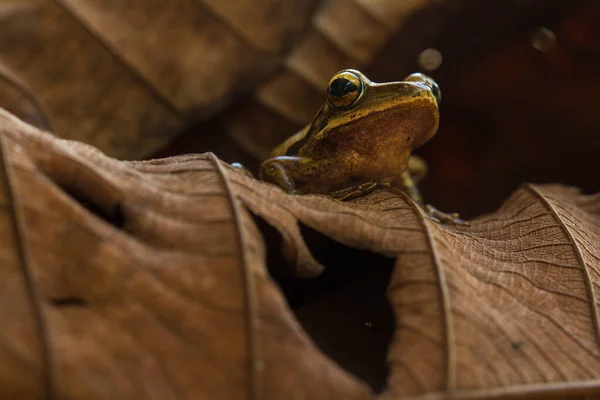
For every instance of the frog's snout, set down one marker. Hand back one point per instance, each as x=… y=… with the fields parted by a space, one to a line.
x=429 y=82
x=435 y=89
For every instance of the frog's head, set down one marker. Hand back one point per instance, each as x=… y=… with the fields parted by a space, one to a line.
x=405 y=110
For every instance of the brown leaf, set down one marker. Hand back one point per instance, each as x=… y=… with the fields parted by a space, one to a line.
x=507 y=306
x=163 y=292
x=132 y=279
x=126 y=76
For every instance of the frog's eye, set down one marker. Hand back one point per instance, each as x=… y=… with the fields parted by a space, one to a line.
x=344 y=90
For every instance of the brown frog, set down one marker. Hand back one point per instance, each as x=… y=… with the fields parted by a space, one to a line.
x=361 y=138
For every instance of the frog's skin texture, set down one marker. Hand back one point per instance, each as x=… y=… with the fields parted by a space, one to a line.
x=361 y=137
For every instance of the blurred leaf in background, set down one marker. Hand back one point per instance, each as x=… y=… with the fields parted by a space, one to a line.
x=126 y=76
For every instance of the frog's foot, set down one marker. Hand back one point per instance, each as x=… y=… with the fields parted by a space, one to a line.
x=444 y=218
x=274 y=171
x=353 y=192
x=242 y=169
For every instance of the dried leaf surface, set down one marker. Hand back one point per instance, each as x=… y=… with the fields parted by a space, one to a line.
x=132 y=279
x=126 y=75
x=160 y=292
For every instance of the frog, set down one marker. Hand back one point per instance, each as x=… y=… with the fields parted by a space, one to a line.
x=361 y=139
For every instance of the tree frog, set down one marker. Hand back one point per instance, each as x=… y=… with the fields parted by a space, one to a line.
x=361 y=138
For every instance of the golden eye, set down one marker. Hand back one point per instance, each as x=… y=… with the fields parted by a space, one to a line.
x=344 y=89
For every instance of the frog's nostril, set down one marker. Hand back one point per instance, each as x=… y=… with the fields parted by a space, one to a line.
x=427 y=81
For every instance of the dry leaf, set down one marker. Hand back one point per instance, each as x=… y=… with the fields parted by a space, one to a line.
x=126 y=75
x=148 y=279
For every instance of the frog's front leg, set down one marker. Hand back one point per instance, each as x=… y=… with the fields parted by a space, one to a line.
x=306 y=175
x=278 y=170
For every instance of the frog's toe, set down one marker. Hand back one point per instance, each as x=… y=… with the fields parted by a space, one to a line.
x=445 y=218
x=354 y=191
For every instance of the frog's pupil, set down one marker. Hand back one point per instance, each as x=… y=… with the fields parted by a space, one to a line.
x=341 y=87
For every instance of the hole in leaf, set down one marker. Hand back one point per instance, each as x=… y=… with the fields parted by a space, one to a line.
x=517 y=345
x=278 y=268
x=68 y=301
x=113 y=216
x=86 y=186
x=345 y=310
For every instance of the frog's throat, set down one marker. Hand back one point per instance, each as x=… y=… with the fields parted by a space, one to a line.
x=365 y=112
